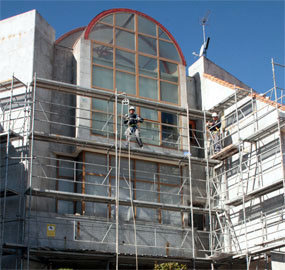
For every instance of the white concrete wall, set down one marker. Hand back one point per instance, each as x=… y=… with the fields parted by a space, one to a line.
x=43 y=48
x=212 y=92
x=82 y=55
x=278 y=260
x=26 y=45
x=17 y=39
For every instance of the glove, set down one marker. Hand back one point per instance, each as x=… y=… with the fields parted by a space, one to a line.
x=140 y=119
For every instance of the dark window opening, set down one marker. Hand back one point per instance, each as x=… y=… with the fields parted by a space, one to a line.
x=243 y=111
x=169 y=129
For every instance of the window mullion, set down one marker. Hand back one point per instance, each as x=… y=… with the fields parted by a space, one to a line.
x=136 y=55
x=158 y=66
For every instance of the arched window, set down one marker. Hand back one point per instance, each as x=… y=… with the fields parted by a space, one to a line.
x=135 y=54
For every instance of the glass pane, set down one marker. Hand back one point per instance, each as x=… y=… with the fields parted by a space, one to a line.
x=65 y=207
x=149 y=114
x=126 y=82
x=169 y=92
x=246 y=110
x=151 y=172
x=125 y=39
x=146 y=214
x=66 y=185
x=169 y=134
x=148 y=66
x=101 y=124
x=65 y=168
x=102 y=55
x=162 y=34
x=146 y=26
x=150 y=133
x=102 y=105
x=169 y=118
x=125 y=60
x=124 y=169
x=147 y=45
x=148 y=88
x=169 y=174
x=93 y=185
x=95 y=163
x=108 y=19
x=102 y=77
x=170 y=217
x=169 y=194
x=96 y=210
x=168 y=50
x=146 y=191
x=125 y=20
x=103 y=33
x=168 y=71
x=119 y=109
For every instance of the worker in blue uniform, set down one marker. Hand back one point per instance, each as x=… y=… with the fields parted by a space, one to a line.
x=132 y=120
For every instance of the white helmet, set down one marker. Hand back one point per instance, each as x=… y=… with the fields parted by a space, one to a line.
x=214 y=114
x=132 y=108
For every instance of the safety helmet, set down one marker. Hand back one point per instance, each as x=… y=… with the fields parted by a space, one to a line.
x=214 y=114
x=132 y=108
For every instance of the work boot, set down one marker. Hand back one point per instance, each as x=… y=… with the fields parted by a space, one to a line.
x=139 y=141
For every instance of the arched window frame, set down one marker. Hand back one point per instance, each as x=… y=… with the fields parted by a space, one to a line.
x=168 y=39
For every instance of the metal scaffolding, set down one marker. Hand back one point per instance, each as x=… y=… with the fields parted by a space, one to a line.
x=68 y=167
x=42 y=126
x=250 y=175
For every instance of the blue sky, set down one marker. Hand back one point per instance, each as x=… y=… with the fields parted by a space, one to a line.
x=245 y=35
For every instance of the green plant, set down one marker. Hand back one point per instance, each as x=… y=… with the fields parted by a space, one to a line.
x=170 y=266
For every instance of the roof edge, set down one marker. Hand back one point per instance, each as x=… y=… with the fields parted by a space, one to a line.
x=82 y=28
x=254 y=93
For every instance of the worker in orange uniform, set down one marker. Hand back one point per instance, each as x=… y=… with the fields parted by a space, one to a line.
x=214 y=127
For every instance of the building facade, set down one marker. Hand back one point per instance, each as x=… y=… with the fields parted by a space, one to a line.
x=74 y=195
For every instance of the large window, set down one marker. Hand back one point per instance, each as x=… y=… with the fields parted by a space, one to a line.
x=160 y=183
x=133 y=54
x=66 y=177
x=158 y=128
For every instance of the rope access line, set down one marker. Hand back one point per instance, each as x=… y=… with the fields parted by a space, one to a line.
x=118 y=164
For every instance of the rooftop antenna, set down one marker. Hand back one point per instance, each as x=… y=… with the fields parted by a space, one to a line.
x=204 y=47
x=203 y=22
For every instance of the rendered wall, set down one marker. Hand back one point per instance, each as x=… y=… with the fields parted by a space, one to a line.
x=211 y=92
x=17 y=46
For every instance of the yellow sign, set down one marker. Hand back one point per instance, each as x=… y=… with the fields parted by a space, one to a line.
x=51 y=230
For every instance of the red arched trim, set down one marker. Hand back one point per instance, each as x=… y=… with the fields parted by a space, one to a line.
x=114 y=10
x=69 y=33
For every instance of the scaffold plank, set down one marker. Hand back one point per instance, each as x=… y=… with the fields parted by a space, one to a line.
x=12 y=135
x=106 y=95
x=6 y=86
x=108 y=146
x=230 y=100
x=69 y=196
x=256 y=193
x=226 y=152
x=263 y=133
x=9 y=193
x=222 y=256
